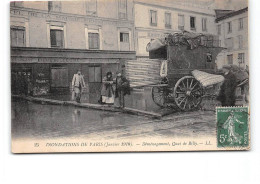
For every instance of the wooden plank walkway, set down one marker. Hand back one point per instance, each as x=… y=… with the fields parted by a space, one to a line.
x=91 y=106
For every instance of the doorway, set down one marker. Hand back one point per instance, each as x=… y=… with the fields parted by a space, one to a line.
x=95 y=82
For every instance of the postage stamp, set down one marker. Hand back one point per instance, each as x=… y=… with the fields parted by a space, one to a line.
x=232 y=127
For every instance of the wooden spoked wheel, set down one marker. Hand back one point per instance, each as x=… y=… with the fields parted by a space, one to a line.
x=159 y=95
x=188 y=93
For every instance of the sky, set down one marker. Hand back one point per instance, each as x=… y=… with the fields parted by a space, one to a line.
x=230 y=4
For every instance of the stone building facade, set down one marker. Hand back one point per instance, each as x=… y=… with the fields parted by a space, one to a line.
x=154 y=20
x=51 y=40
x=232 y=28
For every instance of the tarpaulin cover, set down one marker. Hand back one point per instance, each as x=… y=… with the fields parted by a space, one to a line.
x=207 y=79
x=156 y=44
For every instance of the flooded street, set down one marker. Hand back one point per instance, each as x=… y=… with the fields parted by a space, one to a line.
x=140 y=99
x=32 y=120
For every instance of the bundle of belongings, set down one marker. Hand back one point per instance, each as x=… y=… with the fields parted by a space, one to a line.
x=191 y=40
x=156 y=44
x=207 y=79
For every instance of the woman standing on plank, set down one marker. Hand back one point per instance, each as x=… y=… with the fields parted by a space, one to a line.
x=107 y=91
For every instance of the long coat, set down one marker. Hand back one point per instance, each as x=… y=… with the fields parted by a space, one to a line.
x=227 y=91
x=107 y=89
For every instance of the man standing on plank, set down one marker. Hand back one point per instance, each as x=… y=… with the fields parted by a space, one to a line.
x=78 y=84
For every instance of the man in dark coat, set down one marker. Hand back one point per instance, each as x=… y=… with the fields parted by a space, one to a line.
x=122 y=88
x=227 y=91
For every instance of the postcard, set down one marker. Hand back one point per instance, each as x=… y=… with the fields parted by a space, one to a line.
x=129 y=76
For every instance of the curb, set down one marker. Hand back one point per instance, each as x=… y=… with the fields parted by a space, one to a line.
x=90 y=106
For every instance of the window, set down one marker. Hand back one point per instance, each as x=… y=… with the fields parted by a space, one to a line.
x=219 y=29
x=124 y=37
x=168 y=20
x=240 y=24
x=181 y=22
x=241 y=58
x=94 y=74
x=240 y=41
x=56 y=38
x=204 y=24
x=93 y=40
x=124 y=44
x=17 y=36
x=229 y=27
x=209 y=57
x=122 y=8
x=229 y=43
x=91 y=7
x=153 y=18
x=54 y=6
x=192 y=23
x=230 y=59
x=50 y=5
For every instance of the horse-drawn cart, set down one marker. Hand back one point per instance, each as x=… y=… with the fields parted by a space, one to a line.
x=179 y=68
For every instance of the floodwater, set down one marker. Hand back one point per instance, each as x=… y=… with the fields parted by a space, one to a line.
x=32 y=120
x=37 y=120
x=138 y=99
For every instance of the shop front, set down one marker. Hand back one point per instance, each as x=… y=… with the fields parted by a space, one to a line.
x=40 y=71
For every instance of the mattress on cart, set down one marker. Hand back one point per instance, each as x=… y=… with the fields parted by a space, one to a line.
x=207 y=79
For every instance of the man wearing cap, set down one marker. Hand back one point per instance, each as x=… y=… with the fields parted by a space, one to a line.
x=227 y=91
x=77 y=84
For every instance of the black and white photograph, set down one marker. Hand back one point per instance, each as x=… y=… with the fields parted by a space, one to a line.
x=129 y=76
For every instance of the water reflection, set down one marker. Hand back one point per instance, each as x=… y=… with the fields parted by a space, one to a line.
x=142 y=100
x=138 y=99
x=37 y=120
x=31 y=120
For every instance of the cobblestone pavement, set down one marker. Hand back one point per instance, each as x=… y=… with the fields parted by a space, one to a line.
x=32 y=120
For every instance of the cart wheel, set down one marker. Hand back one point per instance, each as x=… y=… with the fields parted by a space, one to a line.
x=159 y=96
x=188 y=93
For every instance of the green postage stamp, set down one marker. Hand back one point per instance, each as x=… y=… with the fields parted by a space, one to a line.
x=232 y=127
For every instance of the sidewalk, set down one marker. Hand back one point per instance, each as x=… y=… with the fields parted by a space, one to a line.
x=90 y=106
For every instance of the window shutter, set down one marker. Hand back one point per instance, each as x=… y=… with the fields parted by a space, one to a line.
x=59 y=38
